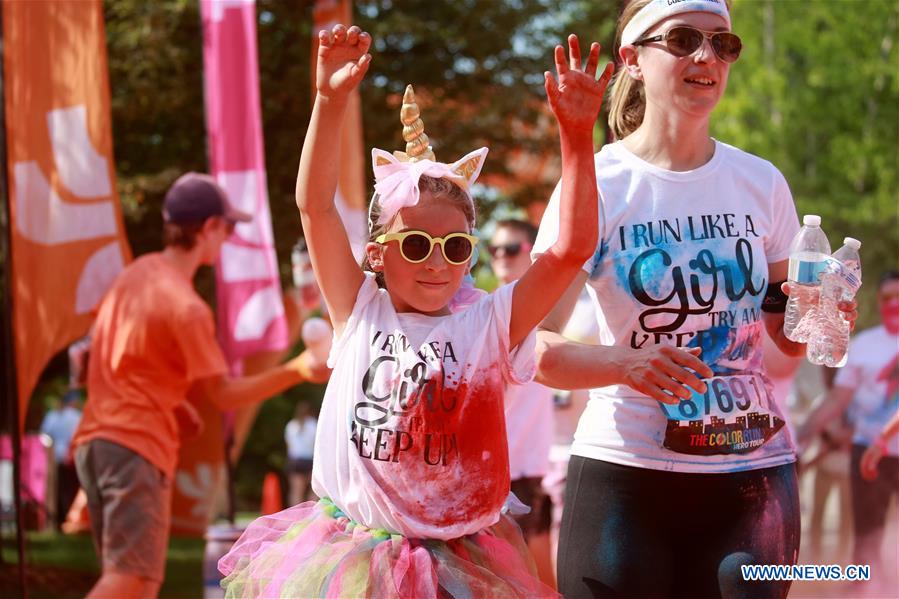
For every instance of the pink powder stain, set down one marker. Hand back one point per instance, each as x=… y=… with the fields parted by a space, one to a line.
x=464 y=476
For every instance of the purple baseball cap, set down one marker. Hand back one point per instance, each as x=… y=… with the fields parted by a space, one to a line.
x=194 y=197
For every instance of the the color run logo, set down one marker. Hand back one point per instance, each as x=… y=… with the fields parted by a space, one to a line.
x=736 y=439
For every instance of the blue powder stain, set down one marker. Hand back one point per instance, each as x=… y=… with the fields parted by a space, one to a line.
x=602 y=252
x=653 y=274
x=714 y=343
x=622 y=267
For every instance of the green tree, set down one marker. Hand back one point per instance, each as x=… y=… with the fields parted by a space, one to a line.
x=816 y=91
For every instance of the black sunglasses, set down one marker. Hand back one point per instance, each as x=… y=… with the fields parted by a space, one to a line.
x=509 y=249
x=684 y=41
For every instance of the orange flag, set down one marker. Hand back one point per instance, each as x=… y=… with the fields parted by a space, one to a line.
x=68 y=241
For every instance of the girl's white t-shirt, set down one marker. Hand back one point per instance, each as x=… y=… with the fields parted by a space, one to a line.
x=411 y=435
x=872 y=371
x=683 y=261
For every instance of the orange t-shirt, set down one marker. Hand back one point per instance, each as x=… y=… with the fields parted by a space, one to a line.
x=154 y=336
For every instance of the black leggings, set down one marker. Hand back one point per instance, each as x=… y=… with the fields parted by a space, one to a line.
x=635 y=532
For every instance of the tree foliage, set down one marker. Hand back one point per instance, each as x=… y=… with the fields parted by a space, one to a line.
x=816 y=91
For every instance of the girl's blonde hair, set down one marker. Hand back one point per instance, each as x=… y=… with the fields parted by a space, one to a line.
x=431 y=189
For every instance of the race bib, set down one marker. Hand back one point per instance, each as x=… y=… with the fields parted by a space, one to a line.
x=736 y=414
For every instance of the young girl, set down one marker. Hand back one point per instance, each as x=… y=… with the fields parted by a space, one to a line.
x=411 y=458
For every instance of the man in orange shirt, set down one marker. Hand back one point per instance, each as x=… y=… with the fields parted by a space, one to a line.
x=153 y=344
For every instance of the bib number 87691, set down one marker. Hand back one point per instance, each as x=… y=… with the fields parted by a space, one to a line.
x=723 y=395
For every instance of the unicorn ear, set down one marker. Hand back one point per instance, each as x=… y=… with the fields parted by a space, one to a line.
x=381 y=158
x=469 y=166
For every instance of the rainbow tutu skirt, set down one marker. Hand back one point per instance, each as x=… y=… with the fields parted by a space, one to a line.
x=314 y=550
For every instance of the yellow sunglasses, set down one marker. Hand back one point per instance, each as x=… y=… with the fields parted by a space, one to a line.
x=416 y=246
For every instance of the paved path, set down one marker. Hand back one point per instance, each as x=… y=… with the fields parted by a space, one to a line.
x=837 y=549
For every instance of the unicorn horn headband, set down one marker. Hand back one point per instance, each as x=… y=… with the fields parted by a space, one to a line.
x=417 y=143
x=397 y=174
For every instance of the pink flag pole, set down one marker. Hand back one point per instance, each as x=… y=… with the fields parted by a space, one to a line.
x=248 y=291
x=251 y=316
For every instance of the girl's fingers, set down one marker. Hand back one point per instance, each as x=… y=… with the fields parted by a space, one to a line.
x=361 y=66
x=352 y=35
x=561 y=65
x=324 y=37
x=592 y=60
x=364 y=41
x=339 y=32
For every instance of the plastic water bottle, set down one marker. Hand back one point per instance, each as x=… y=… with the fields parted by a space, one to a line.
x=316 y=333
x=840 y=281
x=809 y=253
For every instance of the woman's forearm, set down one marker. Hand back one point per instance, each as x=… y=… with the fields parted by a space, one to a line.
x=564 y=364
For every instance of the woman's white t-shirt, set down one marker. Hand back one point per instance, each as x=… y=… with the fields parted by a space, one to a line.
x=683 y=261
x=411 y=435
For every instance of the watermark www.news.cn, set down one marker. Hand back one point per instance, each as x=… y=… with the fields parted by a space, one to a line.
x=806 y=572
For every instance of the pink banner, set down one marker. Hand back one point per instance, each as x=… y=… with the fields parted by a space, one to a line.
x=35 y=469
x=248 y=289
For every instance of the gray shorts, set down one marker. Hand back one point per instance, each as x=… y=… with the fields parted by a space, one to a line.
x=129 y=501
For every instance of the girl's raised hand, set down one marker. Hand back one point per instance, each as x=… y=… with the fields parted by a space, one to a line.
x=343 y=59
x=577 y=97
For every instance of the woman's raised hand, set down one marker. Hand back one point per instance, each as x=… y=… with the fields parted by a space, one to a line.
x=343 y=59
x=577 y=96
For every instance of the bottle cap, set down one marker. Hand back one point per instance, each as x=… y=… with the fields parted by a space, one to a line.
x=852 y=242
x=811 y=220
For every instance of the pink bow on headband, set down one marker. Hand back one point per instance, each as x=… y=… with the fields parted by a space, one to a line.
x=396 y=182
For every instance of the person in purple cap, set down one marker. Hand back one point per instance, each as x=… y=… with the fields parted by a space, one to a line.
x=153 y=345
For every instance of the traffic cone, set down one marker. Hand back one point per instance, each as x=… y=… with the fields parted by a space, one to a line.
x=271 y=494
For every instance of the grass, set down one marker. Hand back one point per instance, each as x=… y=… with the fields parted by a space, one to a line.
x=66 y=566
